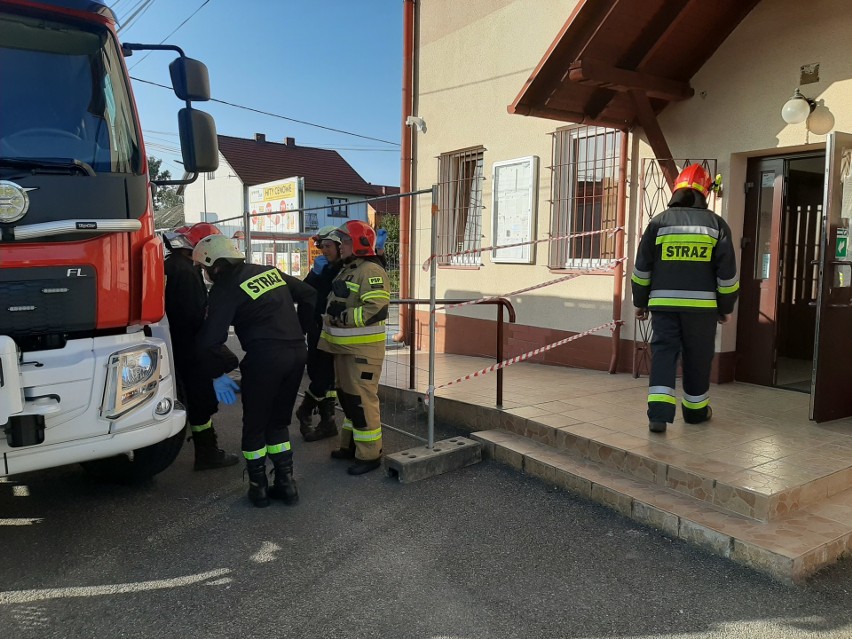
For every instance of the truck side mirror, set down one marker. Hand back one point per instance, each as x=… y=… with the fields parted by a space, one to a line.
x=198 y=142
x=190 y=79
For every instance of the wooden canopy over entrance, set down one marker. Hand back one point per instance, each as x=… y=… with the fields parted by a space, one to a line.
x=618 y=63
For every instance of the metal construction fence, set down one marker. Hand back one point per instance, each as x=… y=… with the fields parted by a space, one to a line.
x=438 y=237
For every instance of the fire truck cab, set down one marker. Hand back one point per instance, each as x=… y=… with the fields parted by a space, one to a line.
x=85 y=375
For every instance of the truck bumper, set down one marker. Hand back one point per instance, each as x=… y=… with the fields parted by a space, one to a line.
x=65 y=388
x=48 y=456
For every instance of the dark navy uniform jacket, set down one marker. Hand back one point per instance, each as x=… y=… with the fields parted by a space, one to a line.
x=686 y=262
x=262 y=304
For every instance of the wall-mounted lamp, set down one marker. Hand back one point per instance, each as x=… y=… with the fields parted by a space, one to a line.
x=797 y=108
x=818 y=119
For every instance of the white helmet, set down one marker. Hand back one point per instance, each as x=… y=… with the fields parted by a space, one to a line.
x=216 y=247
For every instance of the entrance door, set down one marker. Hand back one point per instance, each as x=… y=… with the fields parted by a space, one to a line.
x=759 y=273
x=831 y=384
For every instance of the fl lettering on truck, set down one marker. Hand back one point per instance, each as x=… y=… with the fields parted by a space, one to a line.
x=85 y=368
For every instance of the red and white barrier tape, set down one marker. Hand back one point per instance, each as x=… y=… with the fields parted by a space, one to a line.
x=608 y=267
x=503 y=246
x=520 y=358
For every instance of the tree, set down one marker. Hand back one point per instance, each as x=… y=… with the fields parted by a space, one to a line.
x=168 y=205
x=391 y=224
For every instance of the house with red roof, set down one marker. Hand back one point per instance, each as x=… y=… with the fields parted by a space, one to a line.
x=330 y=195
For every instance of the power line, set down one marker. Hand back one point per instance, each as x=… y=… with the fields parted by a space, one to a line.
x=172 y=32
x=276 y=115
x=135 y=13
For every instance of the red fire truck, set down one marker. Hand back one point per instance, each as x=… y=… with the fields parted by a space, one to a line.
x=85 y=372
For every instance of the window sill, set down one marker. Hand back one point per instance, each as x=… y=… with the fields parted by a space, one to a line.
x=584 y=271
x=460 y=267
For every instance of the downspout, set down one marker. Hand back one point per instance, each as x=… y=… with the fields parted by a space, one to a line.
x=620 y=241
x=406 y=166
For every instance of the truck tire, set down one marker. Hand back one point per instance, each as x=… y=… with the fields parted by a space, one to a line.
x=146 y=462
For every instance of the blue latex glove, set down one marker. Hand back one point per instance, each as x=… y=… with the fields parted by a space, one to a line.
x=320 y=263
x=226 y=389
x=381 y=238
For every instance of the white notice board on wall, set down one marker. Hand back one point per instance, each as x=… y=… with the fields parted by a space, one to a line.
x=514 y=204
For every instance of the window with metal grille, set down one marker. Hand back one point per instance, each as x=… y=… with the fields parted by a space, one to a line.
x=584 y=186
x=311 y=220
x=460 y=177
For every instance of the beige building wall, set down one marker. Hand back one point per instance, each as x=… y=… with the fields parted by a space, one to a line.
x=474 y=58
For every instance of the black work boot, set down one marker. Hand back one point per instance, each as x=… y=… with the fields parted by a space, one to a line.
x=208 y=455
x=344 y=453
x=327 y=426
x=362 y=466
x=305 y=414
x=284 y=486
x=657 y=427
x=258 y=482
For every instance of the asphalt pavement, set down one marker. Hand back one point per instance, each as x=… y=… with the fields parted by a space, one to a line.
x=483 y=552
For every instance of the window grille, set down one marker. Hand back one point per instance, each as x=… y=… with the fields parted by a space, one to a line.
x=311 y=220
x=584 y=185
x=460 y=206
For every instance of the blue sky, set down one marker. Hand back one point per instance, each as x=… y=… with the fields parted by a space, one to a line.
x=336 y=63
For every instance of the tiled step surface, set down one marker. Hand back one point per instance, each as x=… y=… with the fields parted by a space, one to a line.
x=714 y=479
x=761 y=483
x=790 y=547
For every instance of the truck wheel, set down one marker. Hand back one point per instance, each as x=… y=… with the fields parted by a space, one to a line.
x=146 y=463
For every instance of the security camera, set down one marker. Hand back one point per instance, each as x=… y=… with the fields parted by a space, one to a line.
x=413 y=120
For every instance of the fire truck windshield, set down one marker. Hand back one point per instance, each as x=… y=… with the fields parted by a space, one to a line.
x=65 y=97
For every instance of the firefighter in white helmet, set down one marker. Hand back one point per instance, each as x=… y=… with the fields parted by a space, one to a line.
x=354 y=331
x=258 y=301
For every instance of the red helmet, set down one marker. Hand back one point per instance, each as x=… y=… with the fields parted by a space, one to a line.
x=199 y=231
x=363 y=237
x=694 y=177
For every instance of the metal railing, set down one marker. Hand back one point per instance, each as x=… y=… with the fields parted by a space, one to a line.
x=501 y=302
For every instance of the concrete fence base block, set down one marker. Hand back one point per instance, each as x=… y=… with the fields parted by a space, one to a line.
x=419 y=463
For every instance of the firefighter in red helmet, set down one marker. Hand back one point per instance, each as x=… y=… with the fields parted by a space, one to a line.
x=186 y=307
x=685 y=274
x=354 y=332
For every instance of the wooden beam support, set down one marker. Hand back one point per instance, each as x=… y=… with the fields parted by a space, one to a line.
x=601 y=74
x=567 y=116
x=648 y=121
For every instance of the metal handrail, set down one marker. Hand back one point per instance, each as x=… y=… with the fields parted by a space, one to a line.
x=500 y=302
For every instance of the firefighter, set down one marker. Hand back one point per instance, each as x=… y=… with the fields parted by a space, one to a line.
x=686 y=275
x=258 y=301
x=354 y=331
x=186 y=305
x=321 y=393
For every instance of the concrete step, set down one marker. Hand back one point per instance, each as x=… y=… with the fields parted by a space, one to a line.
x=691 y=474
x=789 y=547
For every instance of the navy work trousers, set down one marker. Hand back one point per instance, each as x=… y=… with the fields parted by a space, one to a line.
x=690 y=337
x=271 y=374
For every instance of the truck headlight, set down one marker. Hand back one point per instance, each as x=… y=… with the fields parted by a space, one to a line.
x=132 y=378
